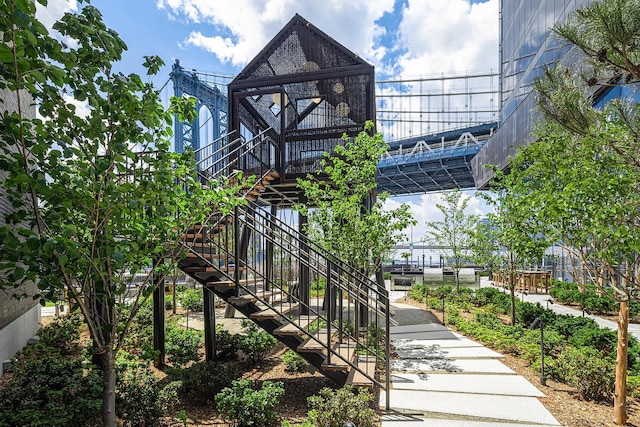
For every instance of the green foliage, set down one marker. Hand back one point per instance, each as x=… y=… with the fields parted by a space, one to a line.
x=332 y=408
x=294 y=362
x=338 y=221
x=51 y=390
x=182 y=345
x=140 y=401
x=589 y=371
x=255 y=343
x=207 y=378
x=455 y=231
x=192 y=300
x=248 y=405
x=63 y=334
x=226 y=343
x=527 y=312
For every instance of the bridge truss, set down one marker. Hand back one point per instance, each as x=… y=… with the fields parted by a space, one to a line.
x=434 y=125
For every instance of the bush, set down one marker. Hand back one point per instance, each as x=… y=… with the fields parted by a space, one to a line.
x=294 y=362
x=526 y=312
x=182 y=345
x=207 y=378
x=333 y=408
x=52 y=390
x=604 y=340
x=192 y=300
x=226 y=343
x=588 y=371
x=600 y=304
x=139 y=400
x=247 y=405
x=256 y=344
x=63 y=334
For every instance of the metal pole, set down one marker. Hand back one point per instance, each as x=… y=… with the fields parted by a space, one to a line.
x=543 y=379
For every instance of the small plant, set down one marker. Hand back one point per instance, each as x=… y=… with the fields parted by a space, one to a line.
x=63 y=334
x=51 y=390
x=256 y=344
x=137 y=395
x=294 y=362
x=183 y=345
x=248 y=405
x=207 y=379
x=590 y=373
x=226 y=343
x=333 y=408
x=192 y=300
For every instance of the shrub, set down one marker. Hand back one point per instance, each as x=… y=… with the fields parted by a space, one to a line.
x=226 y=343
x=247 y=405
x=600 y=304
x=182 y=345
x=294 y=362
x=207 y=378
x=53 y=390
x=588 y=371
x=137 y=402
x=192 y=300
x=604 y=340
x=526 y=312
x=333 y=408
x=63 y=334
x=256 y=344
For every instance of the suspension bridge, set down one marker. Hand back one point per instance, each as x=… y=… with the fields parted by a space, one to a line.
x=434 y=125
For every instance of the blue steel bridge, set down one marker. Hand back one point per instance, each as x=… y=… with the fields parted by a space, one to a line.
x=434 y=125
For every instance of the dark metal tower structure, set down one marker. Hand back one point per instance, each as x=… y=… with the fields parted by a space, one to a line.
x=188 y=134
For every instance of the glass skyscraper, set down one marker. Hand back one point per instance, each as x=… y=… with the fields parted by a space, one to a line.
x=527 y=46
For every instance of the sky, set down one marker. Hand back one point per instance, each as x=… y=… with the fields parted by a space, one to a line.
x=401 y=38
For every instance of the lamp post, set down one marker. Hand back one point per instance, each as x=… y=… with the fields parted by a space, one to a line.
x=549 y=301
x=538 y=323
x=443 y=303
x=523 y=294
x=585 y=310
x=422 y=262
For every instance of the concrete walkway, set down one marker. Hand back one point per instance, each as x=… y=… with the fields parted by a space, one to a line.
x=443 y=379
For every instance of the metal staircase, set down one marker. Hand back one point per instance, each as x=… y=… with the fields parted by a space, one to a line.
x=255 y=261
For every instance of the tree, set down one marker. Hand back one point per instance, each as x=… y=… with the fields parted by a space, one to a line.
x=507 y=241
x=97 y=197
x=605 y=228
x=346 y=216
x=454 y=231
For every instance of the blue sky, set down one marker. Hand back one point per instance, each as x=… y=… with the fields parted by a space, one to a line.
x=402 y=38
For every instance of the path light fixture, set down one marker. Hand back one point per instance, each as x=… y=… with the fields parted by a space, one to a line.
x=549 y=301
x=539 y=323
x=523 y=294
x=585 y=310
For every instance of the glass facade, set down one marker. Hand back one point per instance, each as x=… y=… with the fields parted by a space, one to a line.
x=527 y=46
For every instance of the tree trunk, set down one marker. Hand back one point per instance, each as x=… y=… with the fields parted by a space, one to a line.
x=457 y=273
x=513 y=304
x=108 y=366
x=620 y=396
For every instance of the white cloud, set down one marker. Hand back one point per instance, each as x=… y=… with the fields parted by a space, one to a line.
x=53 y=11
x=82 y=107
x=449 y=35
x=242 y=27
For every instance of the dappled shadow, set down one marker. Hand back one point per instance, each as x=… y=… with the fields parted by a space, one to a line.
x=412 y=365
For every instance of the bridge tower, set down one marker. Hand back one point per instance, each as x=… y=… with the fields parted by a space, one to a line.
x=188 y=134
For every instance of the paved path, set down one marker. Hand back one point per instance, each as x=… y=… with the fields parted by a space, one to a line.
x=442 y=379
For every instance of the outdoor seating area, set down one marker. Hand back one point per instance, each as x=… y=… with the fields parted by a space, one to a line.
x=529 y=281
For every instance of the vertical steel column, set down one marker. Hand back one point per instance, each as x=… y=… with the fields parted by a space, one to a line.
x=305 y=284
x=158 y=316
x=269 y=254
x=209 y=324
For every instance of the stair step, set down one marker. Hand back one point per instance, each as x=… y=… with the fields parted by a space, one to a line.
x=272 y=314
x=311 y=345
x=205 y=255
x=248 y=298
x=303 y=322
x=193 y=237
x=347 y=351
x=357 y=378
x=243 y=282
